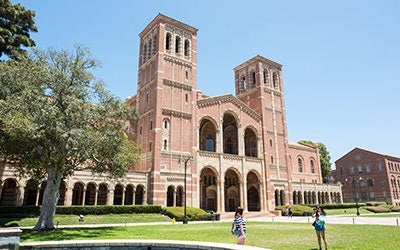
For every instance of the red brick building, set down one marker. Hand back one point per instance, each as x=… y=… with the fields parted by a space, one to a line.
x=230 y=150
x=368 y=176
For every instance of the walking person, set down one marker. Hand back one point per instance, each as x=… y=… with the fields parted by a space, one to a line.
x=320 y=228
x=239 y=226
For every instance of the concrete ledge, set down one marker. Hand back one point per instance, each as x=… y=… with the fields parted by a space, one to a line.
x=133 y=244
x=9 y=238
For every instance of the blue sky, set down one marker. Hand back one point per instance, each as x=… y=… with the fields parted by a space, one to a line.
x=341 y=59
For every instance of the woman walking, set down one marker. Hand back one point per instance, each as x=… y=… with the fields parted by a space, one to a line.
x=239 y=226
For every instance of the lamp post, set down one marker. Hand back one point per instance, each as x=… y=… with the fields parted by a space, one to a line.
x=185 y=161
x=355 y=194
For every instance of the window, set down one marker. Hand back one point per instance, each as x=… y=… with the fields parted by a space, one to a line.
x=275 y=80
x=265 y=76
x=147 y=97
x=370 y=182
x=300 y=165
x=380 y=167
x=244 y=83
x=187 y=47
x=359 y=169
x=140 y=130
x=312 y=167
x=253 y=79
x=168 y=41
x=166 y=124
x=367 y=168
x=186 y=74
x=210 y=144
x=186 y=98
x=151 y=124
x=272 y=159
x=372 y=195
x=351 y=170
x=177 y=44
x=165 y=144
x=341 y=171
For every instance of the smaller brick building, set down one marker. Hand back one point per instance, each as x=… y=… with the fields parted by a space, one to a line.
x=368 y=176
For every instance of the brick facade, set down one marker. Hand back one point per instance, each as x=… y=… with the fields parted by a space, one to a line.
x=368 y=176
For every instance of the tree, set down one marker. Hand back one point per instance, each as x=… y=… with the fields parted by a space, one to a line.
x=324 y=158
x=55 y=119
x=15 y=24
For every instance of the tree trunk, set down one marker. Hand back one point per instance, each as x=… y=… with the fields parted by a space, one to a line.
x=50 y=199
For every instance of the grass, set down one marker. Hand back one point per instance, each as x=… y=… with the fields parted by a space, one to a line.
x=88 y=219
x=260 y=234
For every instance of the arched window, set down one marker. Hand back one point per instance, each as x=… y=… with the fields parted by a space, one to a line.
x=275 y=80
x=265 y=77
x=177 y=44
x=187 y=47
x=244 y=83
x=253 y=79
x=144 y=55
x=168 y=41
x=149 y=49
x=300 y=165
x=312 y=166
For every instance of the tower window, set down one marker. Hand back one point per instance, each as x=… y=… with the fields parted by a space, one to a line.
x=165 y=142
x=147 y=97
x=168 y=41
x=151 y=124
x=187 y=47
x=275 y=80
x=186 y=74
x=186 y=98
x=140 y=130
x=144 y=55
x=253 y=79
x=244 y=83
x=177 y=44
x=265 y=76
x=270 y=142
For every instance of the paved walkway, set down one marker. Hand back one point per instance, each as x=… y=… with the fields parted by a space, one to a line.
x=335 y=219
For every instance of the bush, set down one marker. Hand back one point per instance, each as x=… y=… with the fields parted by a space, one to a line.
x=192 y=213
x=298 y=210
x=34 y=211
x=378 y=209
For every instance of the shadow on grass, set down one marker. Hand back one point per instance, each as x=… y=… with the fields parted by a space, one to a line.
x=65 y=234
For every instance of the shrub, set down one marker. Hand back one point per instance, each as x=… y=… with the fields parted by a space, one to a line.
x=192 y=213
x=298 y=210
x=378 y=209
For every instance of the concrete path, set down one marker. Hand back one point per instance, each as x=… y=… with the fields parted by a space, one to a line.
x=335 y=219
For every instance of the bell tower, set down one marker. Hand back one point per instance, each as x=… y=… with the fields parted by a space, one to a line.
x=258 y=83
x=166 y=98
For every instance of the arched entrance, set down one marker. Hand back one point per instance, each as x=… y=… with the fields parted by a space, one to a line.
x=232 y=191
x=208 y=189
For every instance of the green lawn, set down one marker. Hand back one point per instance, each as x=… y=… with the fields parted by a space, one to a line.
x=260 y=234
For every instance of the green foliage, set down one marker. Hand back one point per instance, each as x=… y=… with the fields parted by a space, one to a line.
x=15 y=25
x=19 y=212
x=324 y=158
x=55 y=119
x=192 y=213
x=298 y=210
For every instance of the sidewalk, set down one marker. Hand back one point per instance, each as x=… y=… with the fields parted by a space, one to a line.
x=335 y=219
